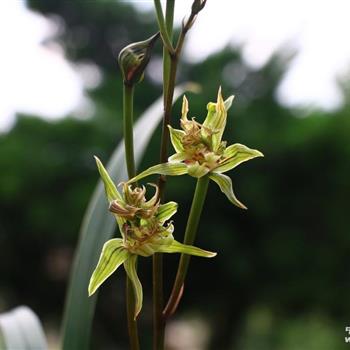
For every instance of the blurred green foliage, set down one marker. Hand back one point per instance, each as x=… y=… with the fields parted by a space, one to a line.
x=280 y=280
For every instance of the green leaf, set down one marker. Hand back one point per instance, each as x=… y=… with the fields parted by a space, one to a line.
x=176 y=137
x=97 y=227
x=21 y=329
x=166 y=211
x=171 y=169
x=225 y=185
x=110 y=189
x=130 y=268
x=235 y=155
x=177 y=247
x=112 y=256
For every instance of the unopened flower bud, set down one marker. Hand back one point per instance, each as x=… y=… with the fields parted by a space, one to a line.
x=198 y=6
x=134 y=58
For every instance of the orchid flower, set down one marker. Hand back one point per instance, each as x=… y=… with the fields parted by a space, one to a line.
x=200 y=150
x=145 y=230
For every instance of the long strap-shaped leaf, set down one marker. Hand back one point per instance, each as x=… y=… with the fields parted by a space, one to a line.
x=21 y=329
x=97 y=227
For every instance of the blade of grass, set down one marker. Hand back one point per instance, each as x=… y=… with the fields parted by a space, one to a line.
x=97 y=227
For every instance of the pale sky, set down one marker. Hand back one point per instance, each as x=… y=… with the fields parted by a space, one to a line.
x=37 y=79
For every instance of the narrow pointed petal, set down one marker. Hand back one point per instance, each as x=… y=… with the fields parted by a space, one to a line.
x=166 y=211
x=152 y=202
x=112 y=256
x=228 y=102
x=225 y=185
x=215 y=121
x=176 y=138
x=235 y=155
x=184 y=109
x=177 y=247
x=130 y=268
x=171 y=169
x=177 y=157
x=110 y=188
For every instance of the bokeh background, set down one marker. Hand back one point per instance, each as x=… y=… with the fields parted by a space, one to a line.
x=281 y=278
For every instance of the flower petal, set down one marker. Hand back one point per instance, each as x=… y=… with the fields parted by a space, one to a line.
x=225 y=185
x=176 y=138
x=177 y=247
x=228 y=102
x=184 y=109
x=177 y=157
x=215 y=121
x=166 y=211
x=112 y=256
x=235 y=155
x=110 y=189
x=130 y=268
x=152 y=202
x=172 y=169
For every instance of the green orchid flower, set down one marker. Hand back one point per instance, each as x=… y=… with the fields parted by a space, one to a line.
x=200 y=150
x=145 y=230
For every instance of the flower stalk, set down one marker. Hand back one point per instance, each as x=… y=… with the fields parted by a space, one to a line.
x=190 y=235
x=128 y=121
x=132 y=60
x=169 y=75
x=128 y=104
x=163 y=25
x=170 y=63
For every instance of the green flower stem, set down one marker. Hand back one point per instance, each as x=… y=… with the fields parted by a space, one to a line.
x=167 y=119
x=169 y=75
x=163 y=25
x=128 y=102
x=185 y=28
x=169 y=18
x=190 y=234
x=158 y=302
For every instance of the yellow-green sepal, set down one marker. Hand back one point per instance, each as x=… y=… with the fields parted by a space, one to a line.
x=166 y=211
x=176 y=136
x=177 y=157
x=177 y=247
x=215 y=122
x=112 y=256
x=130 y=268
x=171 y=169
x=110 y=188
x=225 y=185
x=235 y=155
